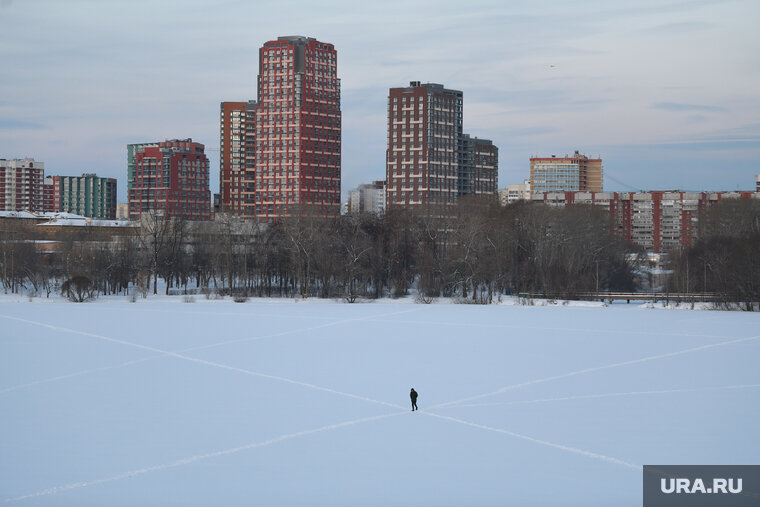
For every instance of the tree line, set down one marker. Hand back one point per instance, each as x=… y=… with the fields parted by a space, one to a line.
x=475 y=250
x=725 y=258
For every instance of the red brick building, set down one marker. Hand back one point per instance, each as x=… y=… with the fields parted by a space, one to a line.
x=22 y=185
x=430 y=162
x=49 y=194
x=424 y=133
x=282 y=152
x=171 y=178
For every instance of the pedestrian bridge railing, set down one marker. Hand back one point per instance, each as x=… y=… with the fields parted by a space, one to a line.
x=692 y=297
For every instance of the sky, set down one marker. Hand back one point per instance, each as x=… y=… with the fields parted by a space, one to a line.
x=664 y=91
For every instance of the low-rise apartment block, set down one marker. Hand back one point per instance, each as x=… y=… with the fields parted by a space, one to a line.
x=658 y=221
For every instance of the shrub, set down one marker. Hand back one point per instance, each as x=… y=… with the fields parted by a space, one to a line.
x=78 y=289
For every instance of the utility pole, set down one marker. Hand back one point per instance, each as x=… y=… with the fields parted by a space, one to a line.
x=597 y=276
x=687 y=275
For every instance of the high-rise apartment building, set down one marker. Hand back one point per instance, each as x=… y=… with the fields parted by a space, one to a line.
x=237 y=161
x=22 y=185
x=757 y=183
x=479 y=168
x=424 y=142
x=132 y=150
x=86 y=195
x=574 y=173
x=48 y=194
x=298 y=129
x=367 y=198
x=290 y=137
x=430 y=162
x=171 y=178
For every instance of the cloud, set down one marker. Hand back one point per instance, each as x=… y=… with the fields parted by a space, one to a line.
x=10 y=124
x=679 y=107
x=679 y=28
x=527 y=132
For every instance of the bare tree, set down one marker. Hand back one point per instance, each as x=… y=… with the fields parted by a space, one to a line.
x=155 y=232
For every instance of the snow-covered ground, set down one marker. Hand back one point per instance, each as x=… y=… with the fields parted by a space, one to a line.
x=287 y=402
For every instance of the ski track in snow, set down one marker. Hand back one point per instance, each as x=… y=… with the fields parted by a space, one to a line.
x=202 y=361
x=75 y=374
x=566 y=448
x=169 y=353
x=192 y=459
x=506 y=327
x=605 y=395
x=198 y=457
x=595 y=369
x=232 y=314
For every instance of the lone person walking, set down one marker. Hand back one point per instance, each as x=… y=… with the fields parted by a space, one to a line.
x=413 y=396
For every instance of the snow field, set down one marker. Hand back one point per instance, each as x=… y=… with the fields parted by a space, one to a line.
x=283 y=403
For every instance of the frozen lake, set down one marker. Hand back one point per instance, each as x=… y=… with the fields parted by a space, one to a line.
x=276 y=402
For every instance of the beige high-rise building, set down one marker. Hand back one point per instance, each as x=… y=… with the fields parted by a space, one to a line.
x=122 y=211
x=367 y=198
x=568 y=173
x=237 y=138
x=515 y=192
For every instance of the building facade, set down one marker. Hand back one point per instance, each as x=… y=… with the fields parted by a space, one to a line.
x=22 y=185
x=171 y=178
x=658 y=221
x=515 y=192
x=132 y=150
x=757 y=183
x=568 y=173
x=122 y=211
x=86 y=195
x=424 y=145
x=48 y=194
x=367 y=198
x=479 y=168
x=237 y=159
x=298 y=129
x=289 y=138
x=430 y=161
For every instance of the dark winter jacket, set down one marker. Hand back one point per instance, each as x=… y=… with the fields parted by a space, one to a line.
x=413 y=395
